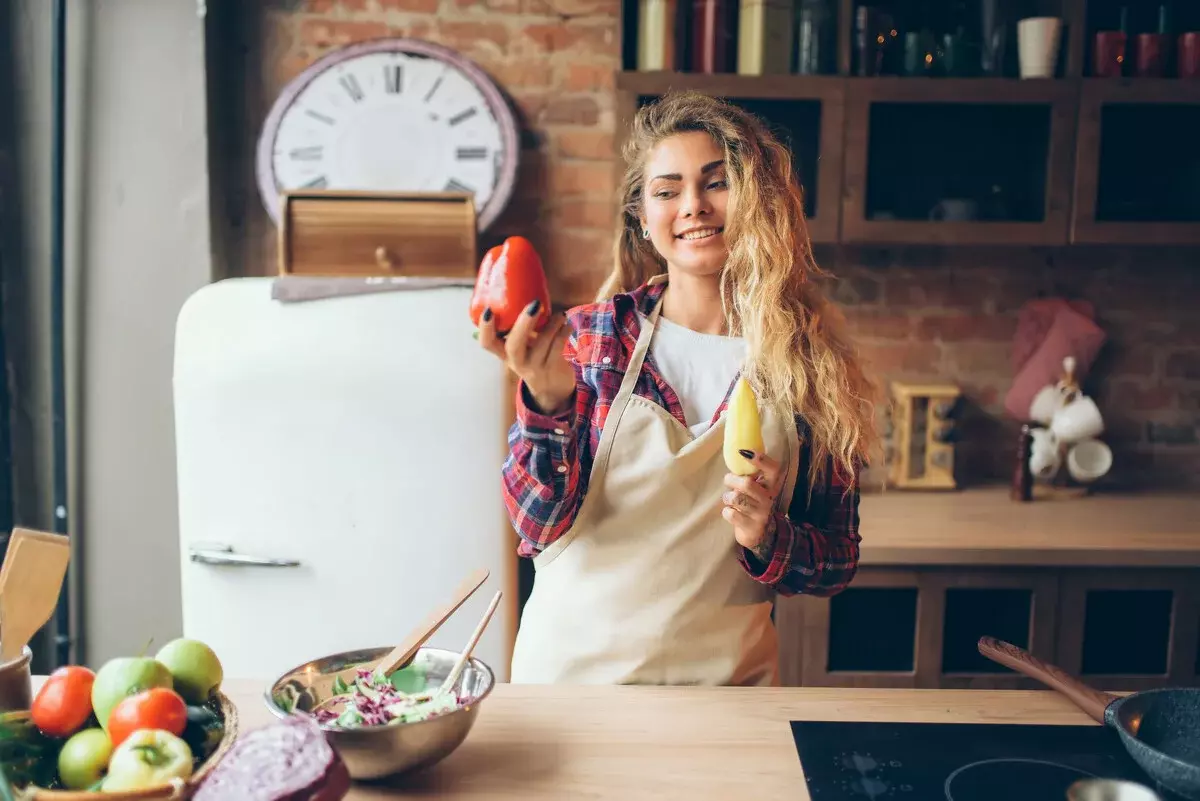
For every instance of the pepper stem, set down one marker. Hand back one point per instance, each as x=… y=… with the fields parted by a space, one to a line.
x=152 y=755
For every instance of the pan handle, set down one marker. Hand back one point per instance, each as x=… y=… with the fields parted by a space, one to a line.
x=1093 y=702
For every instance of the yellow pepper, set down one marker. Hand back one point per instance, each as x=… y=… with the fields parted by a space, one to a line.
x=147 y=758
x=743 y=429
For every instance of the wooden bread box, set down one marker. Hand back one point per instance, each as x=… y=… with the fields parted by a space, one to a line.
x=368 y=234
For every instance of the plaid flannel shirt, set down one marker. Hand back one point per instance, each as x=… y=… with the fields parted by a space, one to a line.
x=546 y=473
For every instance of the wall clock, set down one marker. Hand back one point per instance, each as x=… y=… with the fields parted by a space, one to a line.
x=391 y=114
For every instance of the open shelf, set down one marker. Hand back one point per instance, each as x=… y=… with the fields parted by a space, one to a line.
x=1137 y=175
x=872 y=630
x=1132 y=629
x=806 y=114
x=951 y=38
x=974 y=612
x=958 y=161
x=1126 y=632
x=1043 y=162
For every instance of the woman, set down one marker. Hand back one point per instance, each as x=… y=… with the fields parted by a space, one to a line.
x=655 y=564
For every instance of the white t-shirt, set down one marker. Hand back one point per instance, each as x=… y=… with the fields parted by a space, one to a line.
x=699 y=367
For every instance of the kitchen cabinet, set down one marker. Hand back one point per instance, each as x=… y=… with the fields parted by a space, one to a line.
x=1137 y=170
x=1107 y=588
x=1117 y=629
x=957 y=161
x=948 y=156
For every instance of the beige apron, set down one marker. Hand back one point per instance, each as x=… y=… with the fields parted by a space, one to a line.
x=646 y=586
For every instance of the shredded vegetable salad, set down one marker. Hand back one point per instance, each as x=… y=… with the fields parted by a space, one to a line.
x=373 y=699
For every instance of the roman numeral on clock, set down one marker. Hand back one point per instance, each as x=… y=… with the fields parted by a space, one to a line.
x=453 y=185
x=471 y=153
x=462 y=116
x=320 y=182
x=310 y=153
x=316 y=115
x=350 y=84
x=392 y=76
x=433 y=88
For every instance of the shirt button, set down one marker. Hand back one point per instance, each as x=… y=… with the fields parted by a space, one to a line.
x=562 y=468
x=559 y=431
x=607 y=360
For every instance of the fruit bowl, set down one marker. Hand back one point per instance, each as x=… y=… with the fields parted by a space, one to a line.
x=225 y=711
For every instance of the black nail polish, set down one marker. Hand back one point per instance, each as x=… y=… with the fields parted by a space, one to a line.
x=746 y=454
x=533 y=309
x=487 y=315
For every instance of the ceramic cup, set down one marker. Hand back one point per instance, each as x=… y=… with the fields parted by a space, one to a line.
x=1045 y=404
x=1078 y=420
x=1045 y=458
x=1037 y=46
x=954 y=210
x=1089 y=460
x=16 y=683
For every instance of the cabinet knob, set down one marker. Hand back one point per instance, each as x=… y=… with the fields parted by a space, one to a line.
x=384 y=258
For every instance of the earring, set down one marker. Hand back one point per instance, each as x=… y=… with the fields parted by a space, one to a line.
x=645 y=233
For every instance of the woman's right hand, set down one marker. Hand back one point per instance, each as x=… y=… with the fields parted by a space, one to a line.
x=536 y=357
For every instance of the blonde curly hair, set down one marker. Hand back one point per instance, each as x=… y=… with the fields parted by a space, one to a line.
x=799 y=352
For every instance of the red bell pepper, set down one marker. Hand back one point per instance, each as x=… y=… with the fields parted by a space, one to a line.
x=510 y=278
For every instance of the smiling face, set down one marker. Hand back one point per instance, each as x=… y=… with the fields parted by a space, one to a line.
x=686 y=201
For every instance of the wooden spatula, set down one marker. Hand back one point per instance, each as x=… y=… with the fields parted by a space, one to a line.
x=31 y=580
x=452 y=678
x=408 y=647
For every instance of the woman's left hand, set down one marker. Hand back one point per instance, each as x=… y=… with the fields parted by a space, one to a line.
x=750 y=505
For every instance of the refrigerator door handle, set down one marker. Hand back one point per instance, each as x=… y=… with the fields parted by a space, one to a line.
x=224 y=555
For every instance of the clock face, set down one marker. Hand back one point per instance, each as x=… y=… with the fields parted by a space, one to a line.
x=396 y=114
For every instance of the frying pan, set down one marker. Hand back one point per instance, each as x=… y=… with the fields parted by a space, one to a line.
x=1159 y=728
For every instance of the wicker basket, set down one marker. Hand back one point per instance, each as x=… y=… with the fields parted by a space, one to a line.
x=229 y=717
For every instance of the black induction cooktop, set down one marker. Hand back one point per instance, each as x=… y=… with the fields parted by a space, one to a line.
x=847 y=761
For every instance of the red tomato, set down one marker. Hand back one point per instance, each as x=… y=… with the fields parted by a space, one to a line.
x=64 y=703
x=157 y=708
x=510 y=278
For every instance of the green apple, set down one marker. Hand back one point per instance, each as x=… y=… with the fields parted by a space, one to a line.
x=125 y=676
x=84 y=758
x=194 y=667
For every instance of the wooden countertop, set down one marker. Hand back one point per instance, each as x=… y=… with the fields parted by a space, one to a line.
x=984 y=527
x=644 y=743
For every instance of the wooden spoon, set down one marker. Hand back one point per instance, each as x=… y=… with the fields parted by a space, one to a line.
x=403 y=653
x=461 y=662
x=31 y=580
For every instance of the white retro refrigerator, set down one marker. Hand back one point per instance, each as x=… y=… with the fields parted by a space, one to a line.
x=339 y=473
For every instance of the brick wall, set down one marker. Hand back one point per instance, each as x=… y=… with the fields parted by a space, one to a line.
x=948 y=314
x=943 y=314
x=554 y=58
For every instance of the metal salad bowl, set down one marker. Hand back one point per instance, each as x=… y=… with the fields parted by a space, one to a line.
x=373 y=752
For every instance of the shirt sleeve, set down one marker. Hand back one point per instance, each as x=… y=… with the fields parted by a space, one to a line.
x=816 y=543
x=541 y=476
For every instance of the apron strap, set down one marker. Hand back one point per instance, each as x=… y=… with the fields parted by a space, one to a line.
x=632 y=373
x=638 y=357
